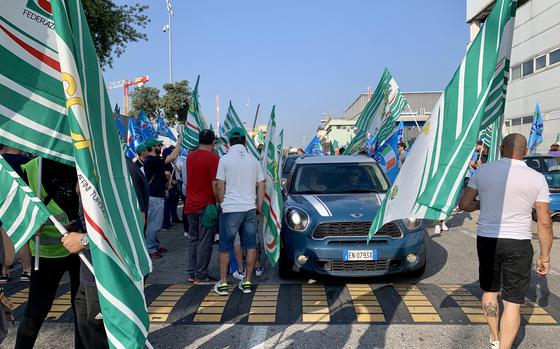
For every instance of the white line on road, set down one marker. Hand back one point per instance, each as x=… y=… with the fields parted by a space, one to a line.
x=258 y=337
x=468 y=233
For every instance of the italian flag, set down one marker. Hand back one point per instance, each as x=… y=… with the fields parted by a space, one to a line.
x=390 y=157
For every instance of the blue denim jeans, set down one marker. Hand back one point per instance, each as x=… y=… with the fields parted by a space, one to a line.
x=155 y=218
x=244 y=223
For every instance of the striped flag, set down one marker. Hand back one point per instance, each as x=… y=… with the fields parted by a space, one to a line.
x=194 y=123
x=110 y=207
x=21 y=212
x=430 y=180
x=259 y=138
x=273 y=206
x=32 y=103
x=380 y=114
x=492 y=138
x=232 y=120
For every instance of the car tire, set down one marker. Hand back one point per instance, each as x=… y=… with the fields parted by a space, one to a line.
x=284 y=267
x=418 y=272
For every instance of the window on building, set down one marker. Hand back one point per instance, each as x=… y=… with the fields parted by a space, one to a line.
x=528 y=68
x=516 y=122
x=516 y=72
x=527 y=120
x=540 y=62
x=554 y=57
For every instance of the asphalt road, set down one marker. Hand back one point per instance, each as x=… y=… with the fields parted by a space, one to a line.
x=439 y=310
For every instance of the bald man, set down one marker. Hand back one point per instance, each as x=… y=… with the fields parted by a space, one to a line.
x=508 y=191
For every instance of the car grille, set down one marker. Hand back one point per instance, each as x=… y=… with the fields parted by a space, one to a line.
x=380 y=265
x=354 y=229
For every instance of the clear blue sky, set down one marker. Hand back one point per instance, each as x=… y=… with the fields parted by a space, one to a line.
x=307 y=57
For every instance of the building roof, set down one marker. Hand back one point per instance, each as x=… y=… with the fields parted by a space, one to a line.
x=421 y=103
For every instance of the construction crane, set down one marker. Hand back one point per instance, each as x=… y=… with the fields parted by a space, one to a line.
x=125 y=84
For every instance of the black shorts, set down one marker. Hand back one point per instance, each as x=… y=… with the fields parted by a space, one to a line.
x=505 y=264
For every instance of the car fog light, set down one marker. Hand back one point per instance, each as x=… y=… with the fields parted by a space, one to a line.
x=301 y=260
x=411 y=258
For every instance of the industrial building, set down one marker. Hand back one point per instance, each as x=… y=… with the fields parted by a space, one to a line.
x=535 y=65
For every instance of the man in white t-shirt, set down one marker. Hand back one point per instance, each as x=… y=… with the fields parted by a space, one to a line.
x=508 y=191
x=238 y=175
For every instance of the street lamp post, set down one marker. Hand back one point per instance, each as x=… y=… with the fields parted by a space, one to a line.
x=167 y=28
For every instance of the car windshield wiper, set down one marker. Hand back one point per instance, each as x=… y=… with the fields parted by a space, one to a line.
x=350 y=191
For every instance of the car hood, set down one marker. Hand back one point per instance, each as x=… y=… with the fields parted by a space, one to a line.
x=338 y=207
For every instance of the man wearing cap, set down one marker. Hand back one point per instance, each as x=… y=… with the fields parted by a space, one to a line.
x=202 y=165
x=154 y=168
x=238 y=174
x=142 y=154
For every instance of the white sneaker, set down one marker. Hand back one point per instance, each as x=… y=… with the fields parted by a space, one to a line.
x=238 y=275
x=437 y=229
x=494 y=344
x=444 y=227
x=259 y=271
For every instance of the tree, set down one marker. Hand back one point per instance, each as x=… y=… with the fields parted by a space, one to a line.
x=175 y=102
x=145 y=98
x=114 y=26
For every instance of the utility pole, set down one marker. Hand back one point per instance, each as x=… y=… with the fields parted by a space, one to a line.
x=167 y=28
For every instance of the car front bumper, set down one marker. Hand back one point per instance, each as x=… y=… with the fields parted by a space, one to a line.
x=326 y=256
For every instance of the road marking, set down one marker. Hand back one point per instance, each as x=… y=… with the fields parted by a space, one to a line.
x=160 y=309
x=60 y=306
x=214 y=312
x=366 y=304
x=315 y=313
x=263 y=307
x=419 y=313
x=535 y=314
x=469 y=303
x=19 y=298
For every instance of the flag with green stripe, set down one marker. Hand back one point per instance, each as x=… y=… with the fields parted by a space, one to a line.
x=111 y=211
x=492 y=138
x=273 y=206
x=430 y=180
x=195 y=121
x=21 y=212
x=380 y=114
x=32 y=104
x=232 y=120
x=259 y=138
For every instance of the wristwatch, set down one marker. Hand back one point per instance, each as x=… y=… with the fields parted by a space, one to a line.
x=84 y=241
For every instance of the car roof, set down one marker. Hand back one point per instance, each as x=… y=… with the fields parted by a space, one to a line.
x=539 y=156
x=292 y=156
x=340 y=159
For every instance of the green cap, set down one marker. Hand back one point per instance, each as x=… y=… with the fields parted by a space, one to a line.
x=236 y=132
x=150 y=143
x=141 y=148
x=158 y=142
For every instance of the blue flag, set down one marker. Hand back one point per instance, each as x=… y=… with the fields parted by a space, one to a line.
x=120 y=125
x=146 y=125
x=371 y=145
x=163 y=129
x=314 y=147
x=535 y=138
x=387 y=154
x=136 y=135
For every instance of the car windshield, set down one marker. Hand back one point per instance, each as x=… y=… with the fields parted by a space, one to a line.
x=338 y=178
x=288 y=165
x=548 y=164
x=552 y=164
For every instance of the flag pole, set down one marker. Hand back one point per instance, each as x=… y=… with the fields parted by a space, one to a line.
x=414 y=117
x=256 y=116
x=38 y=237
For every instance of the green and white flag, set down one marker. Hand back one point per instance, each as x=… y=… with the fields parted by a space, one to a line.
x=380 y=114
x=280 y=150
x=259 y=138
x=195 y=121
x=112 y=215
x=232 y=120
x=21 y=212
x=492 y=138
x=430 y=180
x=273 y=205
x=32 y=104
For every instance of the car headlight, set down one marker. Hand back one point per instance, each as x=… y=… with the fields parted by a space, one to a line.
x=297 y=219
x=412 y=223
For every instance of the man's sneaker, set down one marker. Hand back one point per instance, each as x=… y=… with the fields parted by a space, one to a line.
x=494 y=344
x=437 y=229
x=239 y=275
x=221 y=288
x=245 y=286
x=444 y=227
x=25 y=276
x=4 y=278
x=259 y=271
x=155 y=255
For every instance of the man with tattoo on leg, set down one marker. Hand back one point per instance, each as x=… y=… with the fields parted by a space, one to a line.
x=509 y=191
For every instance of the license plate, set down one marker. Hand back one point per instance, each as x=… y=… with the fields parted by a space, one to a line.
x=359 y=255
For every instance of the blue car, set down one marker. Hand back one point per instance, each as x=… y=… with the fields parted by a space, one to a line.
x=330 y=202
x=549 y=166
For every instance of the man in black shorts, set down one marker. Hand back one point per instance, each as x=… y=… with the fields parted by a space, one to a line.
x=508 y=191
